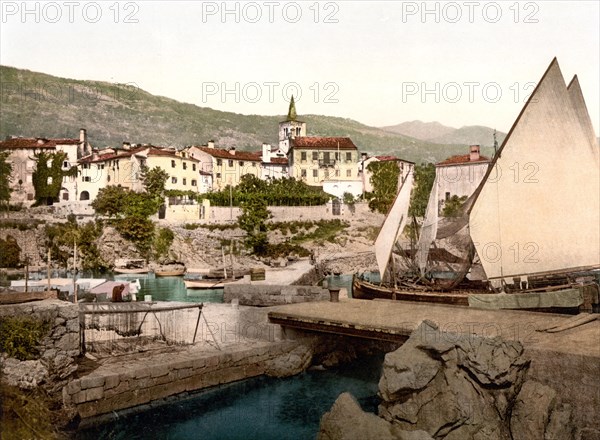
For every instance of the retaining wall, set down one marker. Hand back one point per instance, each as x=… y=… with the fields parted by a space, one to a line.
x=58 y=349
x=115 y=387
x=271 y=295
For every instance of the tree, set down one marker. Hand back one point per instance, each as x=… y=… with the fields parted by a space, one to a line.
x=154 y=181
x=453 y=205
x=111 y=201
x=252 y=220
x=424 y=178
x=384 y=179
x=48 y=175
x=5 y=178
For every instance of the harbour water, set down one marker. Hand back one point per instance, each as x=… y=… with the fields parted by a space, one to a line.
x=260 y=408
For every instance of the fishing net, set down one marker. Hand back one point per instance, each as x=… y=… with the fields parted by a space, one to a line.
x=113 y=328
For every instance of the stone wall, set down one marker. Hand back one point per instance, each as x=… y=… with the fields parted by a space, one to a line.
x=58 y=349
x=31 y=242
x=111 y=389
x=271 y=295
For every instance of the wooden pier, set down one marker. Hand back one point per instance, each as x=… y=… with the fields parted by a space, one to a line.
x=395 y=320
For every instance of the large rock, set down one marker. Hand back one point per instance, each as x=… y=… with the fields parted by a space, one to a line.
x=290 y=364
x=462 y=386
x=536 y=414
x=347 y=421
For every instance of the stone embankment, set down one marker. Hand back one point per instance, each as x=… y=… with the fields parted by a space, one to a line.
x=130 y=380
x=455 y=386
x=57 y=360
x=272 y=295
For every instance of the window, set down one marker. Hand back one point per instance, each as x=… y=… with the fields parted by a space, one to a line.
x=185 y=165
x=184 y=181
x=337 y=156
x=219 y=162
x=86 y=179
x=326 y=158
x=348 y=157
x=173 y=179
x=303 y=156
x=303 y=173
x=108 y=178
x=230 y=163
x=337 y=173
x=315 y=173
x=86 y=166
x=254 y=164
x=194 y=182
x=447 y=196
x=65 y=164
x=218 y=175
x=348 y=173
x=102 y=166
x=241 y=163
x=193 y=167
x=172 y=164
x=315 y=155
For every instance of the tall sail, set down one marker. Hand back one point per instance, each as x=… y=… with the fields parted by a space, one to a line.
x=394 y=223
x=538 y=208
x=429 y=228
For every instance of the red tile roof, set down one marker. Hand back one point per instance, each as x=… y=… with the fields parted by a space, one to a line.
x=278 y=161
x=253 y=156
x=386 y=158
x=33 y=143
x=462 y=159
x=324 y=143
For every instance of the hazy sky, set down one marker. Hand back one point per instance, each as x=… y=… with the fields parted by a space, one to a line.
x=381 y=63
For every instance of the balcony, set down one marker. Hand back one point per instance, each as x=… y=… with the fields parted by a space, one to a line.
x=323 y=163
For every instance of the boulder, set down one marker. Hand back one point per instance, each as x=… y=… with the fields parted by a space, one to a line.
x=347 y=421
x=290 y=364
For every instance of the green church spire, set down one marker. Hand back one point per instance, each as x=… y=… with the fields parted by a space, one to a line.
x=292 y=111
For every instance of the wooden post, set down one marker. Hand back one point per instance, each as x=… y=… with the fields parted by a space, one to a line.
x=224 y=266
x=48 y=268
x=26 y=273
x=74 y=270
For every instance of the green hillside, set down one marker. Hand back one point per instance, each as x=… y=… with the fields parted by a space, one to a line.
x=40 y=105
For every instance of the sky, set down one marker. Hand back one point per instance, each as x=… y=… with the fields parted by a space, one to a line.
x=380 y=63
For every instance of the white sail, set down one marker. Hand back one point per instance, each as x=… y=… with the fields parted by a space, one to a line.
x=429 y=228
x=394 y=223
x=538 y=208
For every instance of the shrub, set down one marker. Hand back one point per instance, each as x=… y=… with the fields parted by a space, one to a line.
x=20 y=336
x=10 y=252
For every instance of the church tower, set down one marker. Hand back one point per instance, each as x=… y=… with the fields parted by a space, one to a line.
x=290 y=128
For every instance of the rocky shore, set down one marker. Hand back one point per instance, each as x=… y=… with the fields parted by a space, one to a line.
x=440 y=385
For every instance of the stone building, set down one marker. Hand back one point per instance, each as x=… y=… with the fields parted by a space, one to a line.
x=22 y=156
x=405 y=167
x=460 y=175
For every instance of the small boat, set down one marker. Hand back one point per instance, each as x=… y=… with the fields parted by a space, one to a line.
x=18 y=297
x=126 y=270
x=169 y=273
x=207 y=283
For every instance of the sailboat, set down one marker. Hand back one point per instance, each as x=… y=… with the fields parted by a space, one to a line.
x=531 y=226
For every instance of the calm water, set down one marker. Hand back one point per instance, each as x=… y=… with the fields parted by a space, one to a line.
x=260 y=408
x=169 y=288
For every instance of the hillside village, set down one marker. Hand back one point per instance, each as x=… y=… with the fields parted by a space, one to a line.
x=334 y=164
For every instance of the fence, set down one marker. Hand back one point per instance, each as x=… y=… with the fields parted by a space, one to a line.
x=125 y=327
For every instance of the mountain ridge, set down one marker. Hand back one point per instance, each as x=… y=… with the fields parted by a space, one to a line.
x=41 y=105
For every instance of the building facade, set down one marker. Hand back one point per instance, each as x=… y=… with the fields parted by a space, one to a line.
x=22 y=157
x=460 y=175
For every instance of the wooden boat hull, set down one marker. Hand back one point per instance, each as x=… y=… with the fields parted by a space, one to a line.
x=364 y=290
x=169 y=273
x=206 y=284
x=13 y=297
x=130 y=271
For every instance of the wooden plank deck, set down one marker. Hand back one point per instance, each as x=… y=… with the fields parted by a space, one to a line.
x=395 y=320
